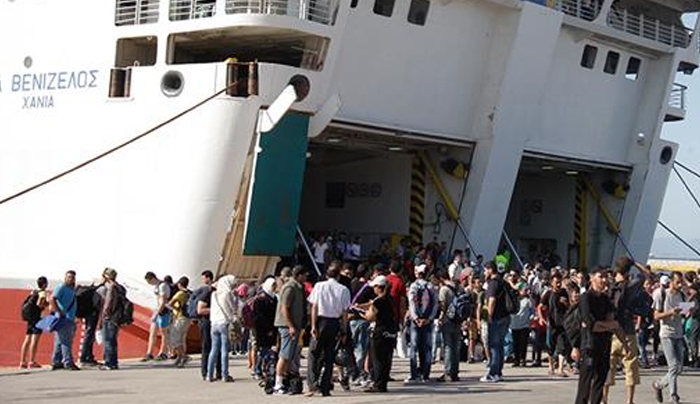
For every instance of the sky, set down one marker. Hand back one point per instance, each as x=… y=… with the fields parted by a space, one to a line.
x=679 y=211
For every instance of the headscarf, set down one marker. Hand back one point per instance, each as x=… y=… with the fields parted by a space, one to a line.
x=224 y=298
x=268 y=286
x=242 y=290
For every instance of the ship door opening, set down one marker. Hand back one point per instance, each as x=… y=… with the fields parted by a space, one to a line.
x=369 y=185
x=554 y=215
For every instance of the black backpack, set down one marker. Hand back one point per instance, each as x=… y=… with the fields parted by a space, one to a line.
x=88 y=301
x=30 y=311
x=123 y=313
x=461 y=307
x=512 y=300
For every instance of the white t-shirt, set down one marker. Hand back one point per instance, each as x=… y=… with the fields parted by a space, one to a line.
x=320 y=252
x=162 y=289
x=332 y=298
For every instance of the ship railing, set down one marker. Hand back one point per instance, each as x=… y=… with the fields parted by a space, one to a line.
x=622 y=19
x=191 y=9
x=135 y=12
x=649 y=27
x=677 y=97
x=320 y=11
x=584 y=9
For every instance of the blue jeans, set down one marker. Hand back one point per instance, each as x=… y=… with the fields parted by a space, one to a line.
x=359 y=329
x=674 y=351
x=111 y=334
x=63 y=343
x=421 y=350
x=220 y=347
x=497 y=335
x=451 y=338
x=642 y=342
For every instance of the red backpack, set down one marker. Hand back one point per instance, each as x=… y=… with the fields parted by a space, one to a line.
x=248 y=312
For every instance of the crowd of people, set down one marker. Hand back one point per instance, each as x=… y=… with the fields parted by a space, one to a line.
x=413 y=301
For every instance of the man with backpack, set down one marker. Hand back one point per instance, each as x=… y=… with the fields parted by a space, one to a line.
x=453 y=312
x=89 y=303
x=32 y=307
x=160 y=320
x=111 y=317
x=422 y=309
x=628 y=297
x=498 y=300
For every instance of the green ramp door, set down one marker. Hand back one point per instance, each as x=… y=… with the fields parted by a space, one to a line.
x=275 y=198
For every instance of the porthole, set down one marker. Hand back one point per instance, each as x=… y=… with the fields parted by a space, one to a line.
x=172 y=84
x=28 y=62
x=666 y=155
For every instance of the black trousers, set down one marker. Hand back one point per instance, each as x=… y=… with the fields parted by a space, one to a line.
x=86 y=345
x=321 y=356
x=381 y=350
x=594 y=368
x=520 y=345
x=205 y=335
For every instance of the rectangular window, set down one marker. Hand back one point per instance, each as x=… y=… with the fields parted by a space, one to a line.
x=139 y=51
x=589 y=55
x=611 y=62
x=353 y=3
x=418 y=12
x=384 y=7
x=633 y=66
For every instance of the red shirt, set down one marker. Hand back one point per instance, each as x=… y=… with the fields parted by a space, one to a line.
x=397 y=291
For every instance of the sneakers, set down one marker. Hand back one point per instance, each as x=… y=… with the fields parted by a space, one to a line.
x=410 y=381
x=658 y=391
x=34 y=365
x=279 y=391
x=227 y=379
x=72 y=366
x=147 y=358
x=57 y=366
x=675 y=399
x=489 y=379
x=108 y=368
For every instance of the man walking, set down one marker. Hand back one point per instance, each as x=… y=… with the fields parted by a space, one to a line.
x=63 y=303
x=625 y=350
x=668 y=311
x=498 y=322
x=329 y=304
x=290 y=320
x=160 y=320
x=422 y=309
x=593 y=346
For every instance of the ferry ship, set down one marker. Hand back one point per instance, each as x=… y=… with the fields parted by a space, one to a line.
x=533 y=125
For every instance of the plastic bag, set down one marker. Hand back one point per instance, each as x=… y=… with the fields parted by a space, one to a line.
x=99 y=337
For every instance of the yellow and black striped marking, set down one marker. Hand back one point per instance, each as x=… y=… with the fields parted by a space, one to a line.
x=580 y=223
x=417 y=200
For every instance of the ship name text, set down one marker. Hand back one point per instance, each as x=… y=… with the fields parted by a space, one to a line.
x=35 y=87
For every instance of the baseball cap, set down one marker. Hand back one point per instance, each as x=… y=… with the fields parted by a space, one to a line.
x=379 y=281
x=110 y=273
x=665 y=280
x=420 y=269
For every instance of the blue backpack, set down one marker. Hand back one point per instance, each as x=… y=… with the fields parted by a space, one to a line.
x=424 y=300
x=191 y=309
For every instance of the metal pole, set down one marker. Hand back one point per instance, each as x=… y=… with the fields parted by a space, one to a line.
x=308 y=251
x=513 y=250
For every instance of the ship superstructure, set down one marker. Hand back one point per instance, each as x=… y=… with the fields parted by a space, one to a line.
x=337 y=115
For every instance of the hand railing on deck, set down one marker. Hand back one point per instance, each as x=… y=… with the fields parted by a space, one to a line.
x=622 y=19
x=677 y=97
x=321 y=11
x=649 y=27
x=191 y=9
x=585 y=9
x=134 y=12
